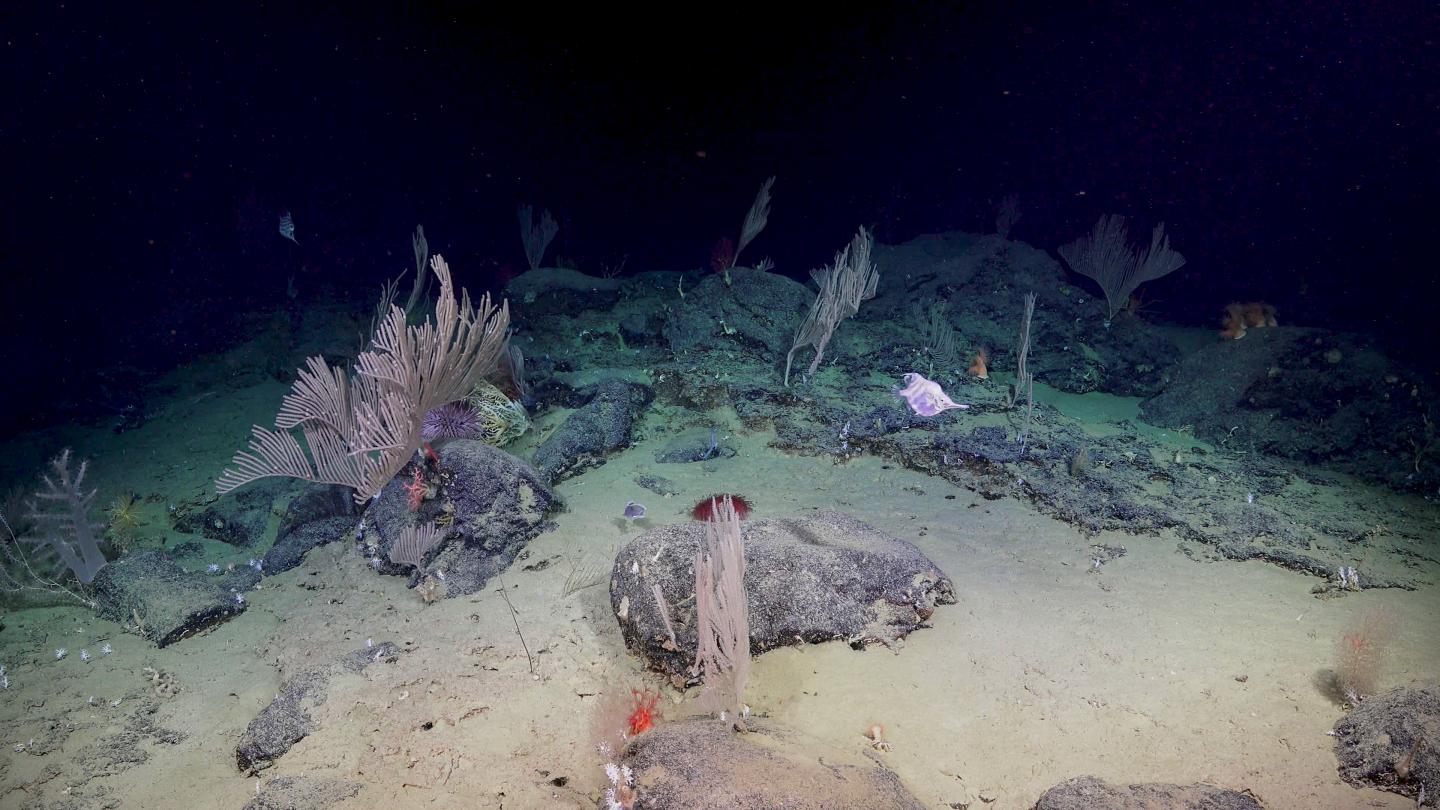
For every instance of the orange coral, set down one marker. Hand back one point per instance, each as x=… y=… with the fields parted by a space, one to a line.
x=1239 y=318
x=978 y=368
x=644 y=714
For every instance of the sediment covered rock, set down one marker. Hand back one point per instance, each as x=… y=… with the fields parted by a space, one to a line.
x=700 y=764
x=167 y=603
x=814 y=579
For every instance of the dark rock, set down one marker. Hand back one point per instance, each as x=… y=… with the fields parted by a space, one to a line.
x=301 y=793
x=497 y=503
x=320 y=515
x=1072 y=348
x=700 y=764
x=188 y=549
x=241 y=520
x=1089 y=793
x=171 y=603
x=287 y=719
x=657 y=484
x=638 y=329
x=558 y=291
x=699 y=444
x=1392 y=741
x=601 y=426
x=757 y=311
x=811 y=579
x=1310 y=396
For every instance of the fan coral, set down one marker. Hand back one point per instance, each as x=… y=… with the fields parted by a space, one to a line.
x=705 y=509
x=453 y=420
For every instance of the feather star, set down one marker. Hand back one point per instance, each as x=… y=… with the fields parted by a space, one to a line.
x=925 y=397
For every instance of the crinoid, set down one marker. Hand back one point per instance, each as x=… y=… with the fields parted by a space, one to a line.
x=502 y=420
x=124 y=514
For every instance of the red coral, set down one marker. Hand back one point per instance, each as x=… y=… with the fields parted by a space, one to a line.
x=705 y=509
x=722 y=256
x=643 y=714
x=417 y=489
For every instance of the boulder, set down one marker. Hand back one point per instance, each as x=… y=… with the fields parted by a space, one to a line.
x=494 y=502
x=1392 y=741
x=168 y=603
x=240 y=520
x=1089 y=793
x=814 y=579
x=286 y=720
x=700 y=764
x=696 y=444
x=601 y=426
x=321 y=514
x=758 y=311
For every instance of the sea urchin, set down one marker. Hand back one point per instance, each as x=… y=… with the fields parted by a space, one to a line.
x=705 y=509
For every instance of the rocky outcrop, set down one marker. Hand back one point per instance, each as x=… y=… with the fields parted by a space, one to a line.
x=240 y=520
x=1311 y=396
x=757 y=311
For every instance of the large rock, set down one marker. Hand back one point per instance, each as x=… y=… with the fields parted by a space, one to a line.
x=1089 y=793
x=599 y=427
x=757 y=310
x=815 y=579
x=695 y=444
x=320 y=515
x=1312 y=396
x=165 y=601
x=286 y=720
x=1392 y=741
x=548 y=292
x=700 y=764
x=495 y=504
x=240 y=520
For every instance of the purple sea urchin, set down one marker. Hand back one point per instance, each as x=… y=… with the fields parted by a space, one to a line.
x=453 y=420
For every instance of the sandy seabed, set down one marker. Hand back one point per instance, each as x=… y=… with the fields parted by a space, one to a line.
x=1158 y=667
